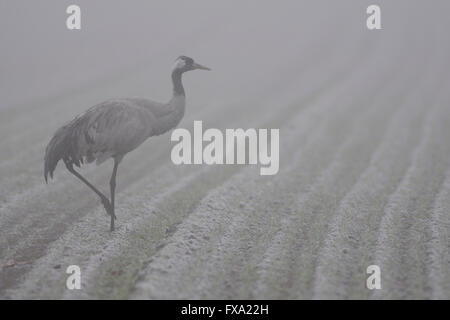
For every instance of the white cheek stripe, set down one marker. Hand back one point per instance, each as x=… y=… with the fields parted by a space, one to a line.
x=179 y=64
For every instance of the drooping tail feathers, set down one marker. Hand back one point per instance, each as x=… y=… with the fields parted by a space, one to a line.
x=64 y=145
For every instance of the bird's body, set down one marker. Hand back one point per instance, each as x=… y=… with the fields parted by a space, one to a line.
x=113 y=128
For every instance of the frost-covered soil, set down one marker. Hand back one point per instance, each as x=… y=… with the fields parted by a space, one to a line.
x=364 y=176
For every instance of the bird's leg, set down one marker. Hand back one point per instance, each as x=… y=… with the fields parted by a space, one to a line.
x=103 y=198
x=112 y=184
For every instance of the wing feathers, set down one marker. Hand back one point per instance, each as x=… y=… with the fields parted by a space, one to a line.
x=103 y=131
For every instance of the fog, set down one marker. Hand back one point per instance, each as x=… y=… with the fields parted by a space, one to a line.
x=364 y=172
x=247 y=43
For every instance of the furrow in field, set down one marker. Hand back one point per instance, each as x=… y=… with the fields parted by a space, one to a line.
x=184 y=244
x=405 y=237
x=439 y=243
x=352 y=236
x=236 y=216
x=269 y=207
x=292 y=252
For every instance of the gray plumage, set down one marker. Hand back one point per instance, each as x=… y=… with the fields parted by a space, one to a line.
x=115 y=127
x=110 y=129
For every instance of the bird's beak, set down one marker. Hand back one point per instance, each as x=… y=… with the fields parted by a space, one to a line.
x=199 y=66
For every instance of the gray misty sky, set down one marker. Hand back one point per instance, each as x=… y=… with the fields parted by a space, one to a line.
x=246 y=43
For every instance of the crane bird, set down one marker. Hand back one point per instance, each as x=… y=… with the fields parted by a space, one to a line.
x=113 y=128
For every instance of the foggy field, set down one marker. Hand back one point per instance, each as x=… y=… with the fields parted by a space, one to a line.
x=364 y=178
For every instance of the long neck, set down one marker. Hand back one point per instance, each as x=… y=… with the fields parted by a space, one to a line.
x=178 y=89
x=172 y=112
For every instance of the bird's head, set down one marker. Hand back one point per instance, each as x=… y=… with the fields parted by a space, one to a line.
x=183 y=64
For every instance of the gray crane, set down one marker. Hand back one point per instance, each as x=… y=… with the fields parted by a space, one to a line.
x=113 y=128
